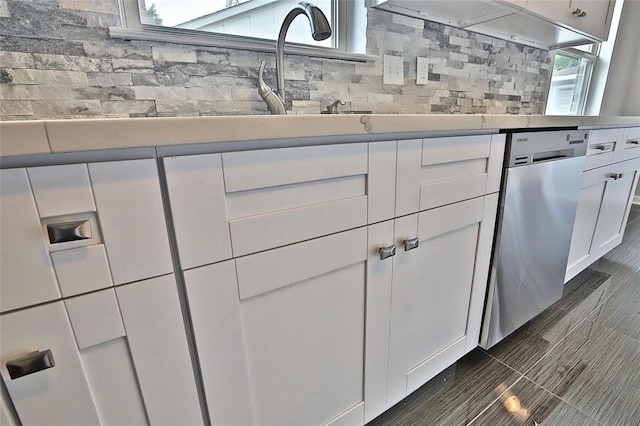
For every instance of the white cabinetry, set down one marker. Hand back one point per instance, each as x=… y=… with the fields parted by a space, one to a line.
x=293 y=308
x=119 y=209
x=87 y=244
x=590 y=16
x=545 y=24
x=438 y=290
x=295 y=337
x=605 y=200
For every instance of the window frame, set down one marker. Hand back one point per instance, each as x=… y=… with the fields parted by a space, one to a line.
x=350 y=35
x=590 y=55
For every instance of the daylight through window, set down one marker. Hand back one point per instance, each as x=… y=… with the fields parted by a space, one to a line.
x=249 y=18
x=572 y=70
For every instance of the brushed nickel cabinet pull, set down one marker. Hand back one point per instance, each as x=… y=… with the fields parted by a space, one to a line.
x=30 y=363
x=616 y=176
x=580 y=13
x=69 y=231
x=386 y=252
x=411 y=244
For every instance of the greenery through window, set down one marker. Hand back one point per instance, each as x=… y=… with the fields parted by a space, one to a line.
x=572 y=69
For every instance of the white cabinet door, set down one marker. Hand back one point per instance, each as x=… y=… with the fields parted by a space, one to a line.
x=558 y=11
x=594 y=184
x=438 y=171
x=603 y=209
x=592 y=17
x=234 y=204
x=597 y=16
x=438 y=290
x=616 y=204
x=102 y=374
x=124 y=235
x=283 y=336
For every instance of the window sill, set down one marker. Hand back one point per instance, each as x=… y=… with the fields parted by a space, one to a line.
x=233 y=42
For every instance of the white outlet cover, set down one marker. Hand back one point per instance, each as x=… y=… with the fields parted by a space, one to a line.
x=422 y=71
x=393 y=70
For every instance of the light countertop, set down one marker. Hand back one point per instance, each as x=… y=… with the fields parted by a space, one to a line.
x=65 y=136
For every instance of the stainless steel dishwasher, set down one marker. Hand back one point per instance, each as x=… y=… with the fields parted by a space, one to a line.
x=539 y=197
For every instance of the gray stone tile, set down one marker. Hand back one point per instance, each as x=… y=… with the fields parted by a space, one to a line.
x=621 y=312
x=455 y=396
x=525 y=403
x=14 y=43
x=595 y=369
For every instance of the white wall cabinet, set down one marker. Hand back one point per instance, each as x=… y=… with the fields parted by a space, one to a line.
x=605 y=198
x=544 y=24
x=590 y=16
x=107 y=304
x=290 y=297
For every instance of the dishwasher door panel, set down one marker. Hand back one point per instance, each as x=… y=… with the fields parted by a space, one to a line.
x=533 y=241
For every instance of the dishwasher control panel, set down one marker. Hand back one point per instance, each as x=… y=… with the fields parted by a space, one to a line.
x=536 y=147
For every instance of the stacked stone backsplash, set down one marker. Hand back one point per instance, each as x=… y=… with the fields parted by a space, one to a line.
x=58 y=61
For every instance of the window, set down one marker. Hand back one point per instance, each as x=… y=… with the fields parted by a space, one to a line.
x=570 y=80
x=247 y=24
x=250 y=18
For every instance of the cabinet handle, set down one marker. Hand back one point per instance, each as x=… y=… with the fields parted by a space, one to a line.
x=616 y=176
x=633 y=142
x=411 y=244
x=386 y=252
x=580 y=13
x=69 y=231
x=30 y=363
x=601 y=147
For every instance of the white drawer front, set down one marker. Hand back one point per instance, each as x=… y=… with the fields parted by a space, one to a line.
x=57 y=395
x=116 y=208
x=631 y=143
x=439 y=171
x=107 y=349
x=234 y=204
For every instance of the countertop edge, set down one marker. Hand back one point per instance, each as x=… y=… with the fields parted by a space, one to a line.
x=69 y=136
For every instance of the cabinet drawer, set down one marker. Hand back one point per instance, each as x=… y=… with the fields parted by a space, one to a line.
x=78 y=228
x=630 y=143
x=233 y=204
x=602 y=144
x=438 y=171
x=98 y=373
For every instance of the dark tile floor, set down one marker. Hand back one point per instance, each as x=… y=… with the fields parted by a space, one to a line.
x=577 y=363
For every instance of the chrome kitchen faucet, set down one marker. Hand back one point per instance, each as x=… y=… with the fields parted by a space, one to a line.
x=320 y=30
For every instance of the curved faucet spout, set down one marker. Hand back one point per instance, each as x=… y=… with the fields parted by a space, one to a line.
x=320 y=30
x=273 y=101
